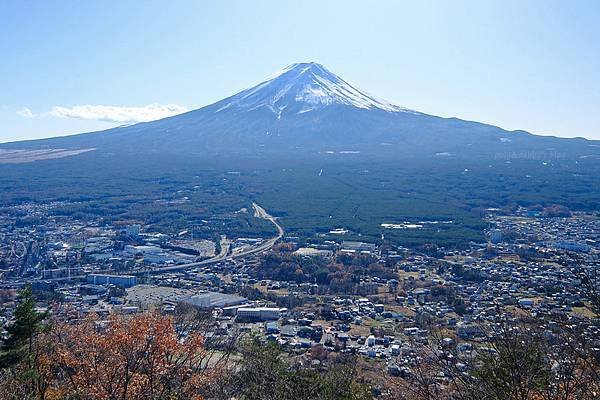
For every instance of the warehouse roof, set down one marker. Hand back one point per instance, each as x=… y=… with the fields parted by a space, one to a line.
x=214 y=300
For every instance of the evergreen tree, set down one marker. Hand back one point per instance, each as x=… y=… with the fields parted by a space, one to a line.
x=18 y=346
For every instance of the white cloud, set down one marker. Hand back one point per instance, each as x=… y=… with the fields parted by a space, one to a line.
x=150 y=112
x=119 y=114
x=25 y=112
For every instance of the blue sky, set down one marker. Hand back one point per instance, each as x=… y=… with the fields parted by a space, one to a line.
x=75 y=66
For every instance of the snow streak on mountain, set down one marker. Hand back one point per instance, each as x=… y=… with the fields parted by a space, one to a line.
x=307 y=111
x=302 y=88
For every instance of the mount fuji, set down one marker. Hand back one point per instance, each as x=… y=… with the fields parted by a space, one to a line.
x=305 y=109
x=318 y=153
x=301 y=88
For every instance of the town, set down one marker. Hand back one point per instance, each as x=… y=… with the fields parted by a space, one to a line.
x=379 y=301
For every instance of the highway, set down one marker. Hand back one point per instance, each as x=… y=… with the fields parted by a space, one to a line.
x=260 y=212
x=224 y=254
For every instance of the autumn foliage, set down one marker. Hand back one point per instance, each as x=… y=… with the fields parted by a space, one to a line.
x=122 y=357
x=126 y=358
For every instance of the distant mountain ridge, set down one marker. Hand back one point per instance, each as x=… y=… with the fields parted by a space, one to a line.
x=306 y=109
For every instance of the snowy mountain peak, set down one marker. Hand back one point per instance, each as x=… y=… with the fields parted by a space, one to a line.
x=304 y=87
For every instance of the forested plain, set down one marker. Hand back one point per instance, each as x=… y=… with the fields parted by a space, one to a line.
x=310 y=195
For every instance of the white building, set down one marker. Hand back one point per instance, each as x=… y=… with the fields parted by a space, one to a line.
x=259 y=313
x=118 y=280
x=371 y=341
x=151 y=254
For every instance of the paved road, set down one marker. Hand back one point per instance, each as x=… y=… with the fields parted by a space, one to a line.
x=259 y=212
x=224 y=254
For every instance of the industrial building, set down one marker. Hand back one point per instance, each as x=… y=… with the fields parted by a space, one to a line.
x=259 y=314
x=117 y=280
x=210 y=300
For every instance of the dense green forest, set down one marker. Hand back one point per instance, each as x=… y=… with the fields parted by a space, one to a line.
x=311 y=196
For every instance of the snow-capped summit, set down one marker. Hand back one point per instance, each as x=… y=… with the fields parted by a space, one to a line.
x=306 y=110
x=304 y=87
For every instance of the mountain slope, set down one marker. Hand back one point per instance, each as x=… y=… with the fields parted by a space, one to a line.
x=315 y=151
x=306 y=109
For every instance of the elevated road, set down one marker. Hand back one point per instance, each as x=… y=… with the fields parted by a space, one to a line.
x=224 y=254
